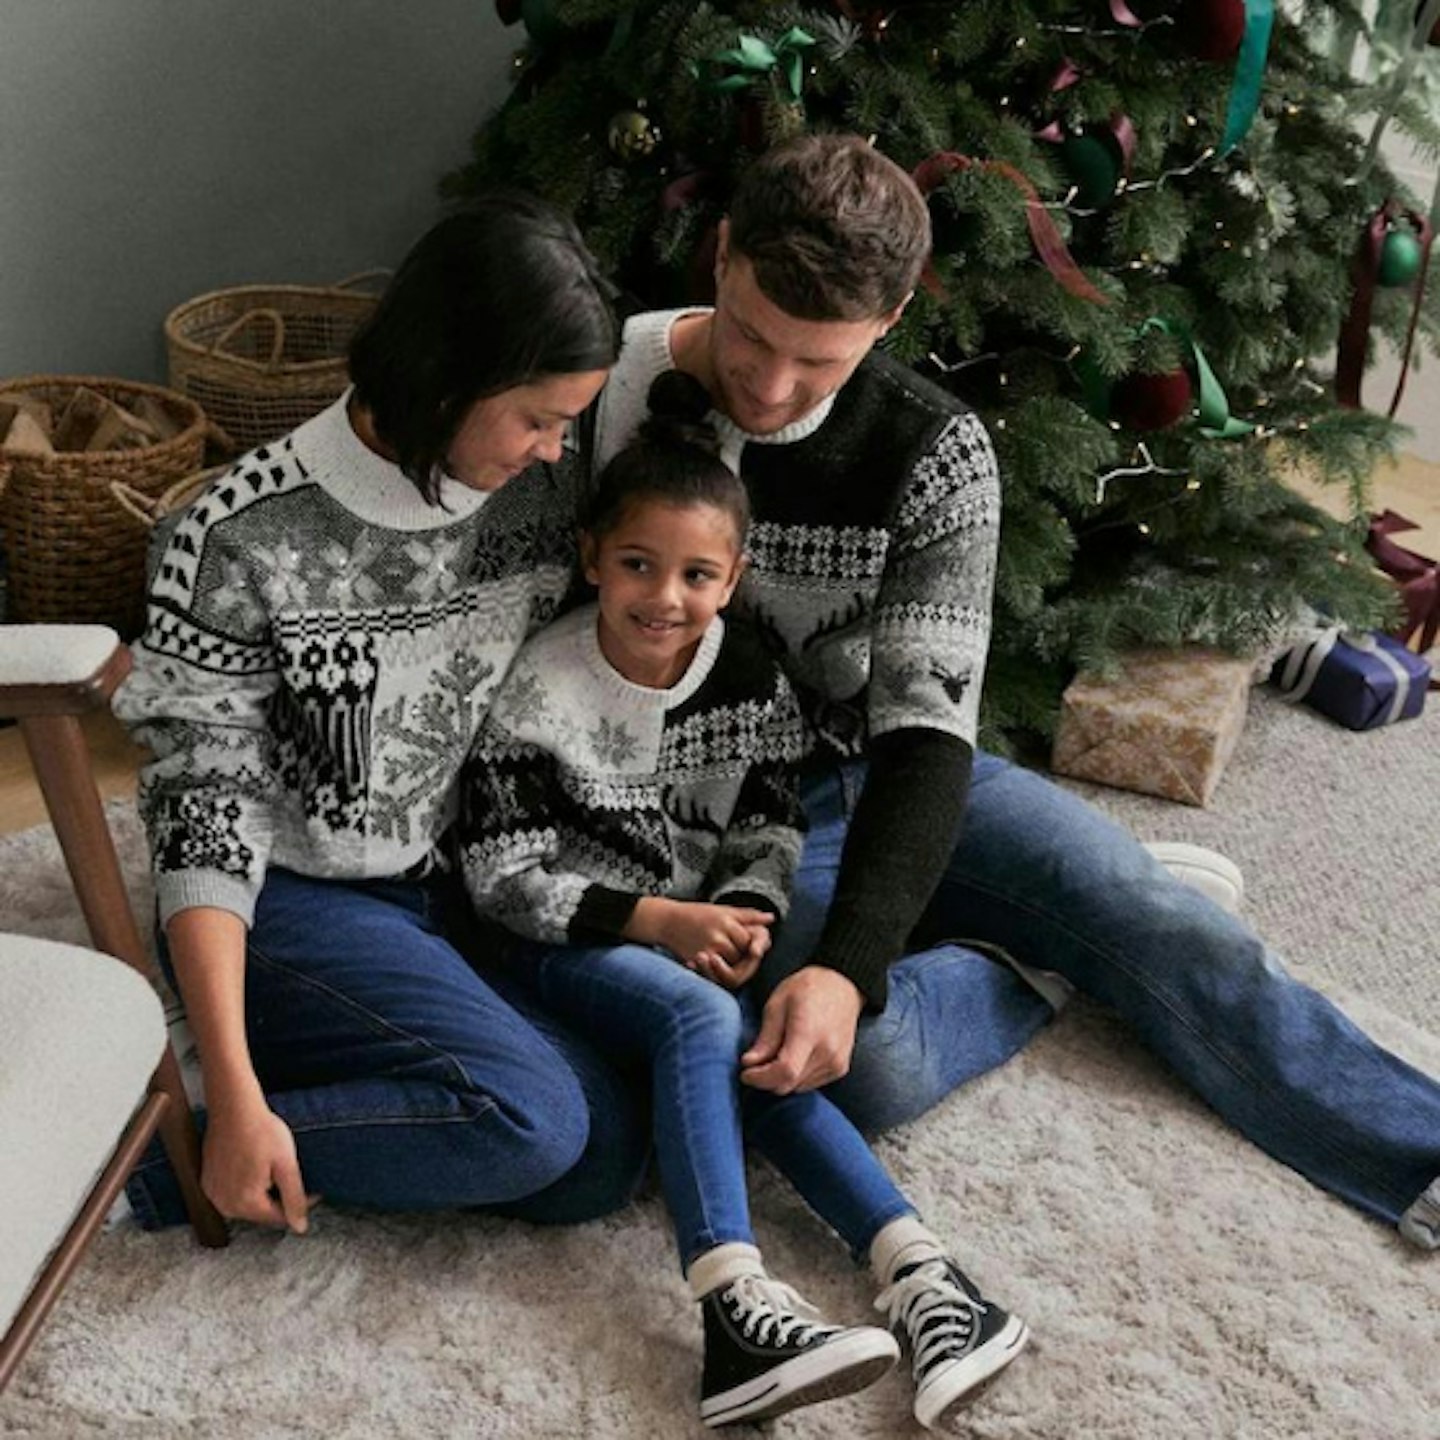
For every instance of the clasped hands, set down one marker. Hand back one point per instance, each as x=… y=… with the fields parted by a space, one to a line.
x=807 y=1030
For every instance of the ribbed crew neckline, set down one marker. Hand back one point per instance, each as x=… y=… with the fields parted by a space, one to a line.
x=587 y=638
x=370 y=487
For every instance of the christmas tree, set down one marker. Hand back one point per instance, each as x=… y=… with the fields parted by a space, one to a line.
x=1146 y=222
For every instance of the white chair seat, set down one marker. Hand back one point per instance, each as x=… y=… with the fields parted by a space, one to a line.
x=80 y=1035
x=54 y=654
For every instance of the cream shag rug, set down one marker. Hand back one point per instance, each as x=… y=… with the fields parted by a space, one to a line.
x=1179 y=1283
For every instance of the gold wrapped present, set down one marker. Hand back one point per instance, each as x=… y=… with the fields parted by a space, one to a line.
x=1165 y=725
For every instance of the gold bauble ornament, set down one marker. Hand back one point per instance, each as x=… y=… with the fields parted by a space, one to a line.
x=632 y=135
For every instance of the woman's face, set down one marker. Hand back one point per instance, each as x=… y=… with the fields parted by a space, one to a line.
x=504 y=434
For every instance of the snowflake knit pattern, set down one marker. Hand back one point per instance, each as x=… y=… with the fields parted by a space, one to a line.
x=586 y=791
x=320 y=649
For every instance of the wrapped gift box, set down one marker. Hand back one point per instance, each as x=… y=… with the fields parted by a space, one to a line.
x=1360 y=680
x=1165 y=725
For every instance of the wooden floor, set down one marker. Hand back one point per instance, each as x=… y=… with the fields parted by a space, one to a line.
x=1411 y=487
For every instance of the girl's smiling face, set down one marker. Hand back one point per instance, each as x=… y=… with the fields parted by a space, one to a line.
x=663 y=572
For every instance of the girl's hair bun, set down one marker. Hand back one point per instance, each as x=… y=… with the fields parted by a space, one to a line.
x=679 y=404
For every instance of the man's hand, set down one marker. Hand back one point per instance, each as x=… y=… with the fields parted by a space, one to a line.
x=248 y=1153
x=807 y=1033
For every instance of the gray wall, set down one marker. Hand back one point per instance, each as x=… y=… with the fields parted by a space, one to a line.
x=151 y=150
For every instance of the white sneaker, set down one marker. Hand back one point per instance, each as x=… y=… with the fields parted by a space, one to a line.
x=957 y=1340
x=1204 y=870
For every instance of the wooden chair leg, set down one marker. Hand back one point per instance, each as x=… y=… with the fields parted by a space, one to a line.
x=61 y=759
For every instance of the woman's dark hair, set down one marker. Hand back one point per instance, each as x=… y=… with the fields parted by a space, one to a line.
x=672 y=459
x=497 y=295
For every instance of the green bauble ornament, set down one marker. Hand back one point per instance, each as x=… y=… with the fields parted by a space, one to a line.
x=540 y=21
x=632 y=135
x=1400 y=258
x=1094 y=163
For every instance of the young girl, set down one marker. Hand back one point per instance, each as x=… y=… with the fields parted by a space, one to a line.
x=634 y=783
x=327 y=625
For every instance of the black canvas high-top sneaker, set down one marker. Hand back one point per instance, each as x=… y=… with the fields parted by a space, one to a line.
x=768 y=1351
x=957 y=1340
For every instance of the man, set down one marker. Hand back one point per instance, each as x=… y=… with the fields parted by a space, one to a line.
x=876 y=508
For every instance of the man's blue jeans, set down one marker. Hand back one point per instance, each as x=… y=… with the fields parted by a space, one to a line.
x=1045 y=878
x=410 y=1082
x=690 y=1032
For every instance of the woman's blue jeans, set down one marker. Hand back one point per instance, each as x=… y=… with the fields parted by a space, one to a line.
x=411 y=1082
x=1044 y=877
x=641 y=1005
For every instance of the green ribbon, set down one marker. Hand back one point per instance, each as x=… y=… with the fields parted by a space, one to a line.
x=1249 y=72
x=1213 y=409
x=753 y=58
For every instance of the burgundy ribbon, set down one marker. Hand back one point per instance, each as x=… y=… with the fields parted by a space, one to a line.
x=1417 y=576
x=1364 y=277
x=1120 y=125
x=1047 y=240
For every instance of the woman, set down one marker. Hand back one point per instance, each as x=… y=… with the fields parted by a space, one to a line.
x=327 y=623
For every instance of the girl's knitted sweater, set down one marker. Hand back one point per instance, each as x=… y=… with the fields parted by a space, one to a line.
x=585 y=791
x=320 y=648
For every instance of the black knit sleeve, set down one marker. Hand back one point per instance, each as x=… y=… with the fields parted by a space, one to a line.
x=903 y=833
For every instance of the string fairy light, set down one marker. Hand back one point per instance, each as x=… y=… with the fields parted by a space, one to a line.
x=1147 y=467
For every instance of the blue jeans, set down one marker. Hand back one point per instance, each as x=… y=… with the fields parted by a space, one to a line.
x=1045 y=878
x=410 y=1082
x=690 y=1033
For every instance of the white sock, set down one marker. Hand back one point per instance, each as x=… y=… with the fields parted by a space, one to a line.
x=902 y=1242
x=722 y=1266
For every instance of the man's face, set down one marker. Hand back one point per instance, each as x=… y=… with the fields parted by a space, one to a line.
x=769 y=368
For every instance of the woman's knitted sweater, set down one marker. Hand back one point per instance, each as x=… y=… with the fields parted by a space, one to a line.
x=321 y=646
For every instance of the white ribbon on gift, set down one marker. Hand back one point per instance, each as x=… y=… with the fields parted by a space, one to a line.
x=1301 y=666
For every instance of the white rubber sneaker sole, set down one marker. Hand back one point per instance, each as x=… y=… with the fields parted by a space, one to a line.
x=951 y=1389
x=1204 y=870
x=851 y=1361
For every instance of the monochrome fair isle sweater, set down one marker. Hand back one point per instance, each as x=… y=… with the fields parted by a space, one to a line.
x=320 y=648
x=585 y=791
x=873 y=547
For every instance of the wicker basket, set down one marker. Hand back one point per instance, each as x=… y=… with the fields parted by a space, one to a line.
x=260 y=359
x=74 y=553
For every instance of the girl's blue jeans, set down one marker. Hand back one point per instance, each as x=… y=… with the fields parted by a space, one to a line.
x=640 y=1005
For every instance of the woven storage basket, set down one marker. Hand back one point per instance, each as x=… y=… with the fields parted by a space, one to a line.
x=260 y=359
x=74 y=553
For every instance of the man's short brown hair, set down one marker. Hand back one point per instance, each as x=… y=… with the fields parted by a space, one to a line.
x=834 y=229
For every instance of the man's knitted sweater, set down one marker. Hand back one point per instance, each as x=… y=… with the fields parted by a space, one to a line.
x=873 y=548
x=585 y=791
x=321 y=646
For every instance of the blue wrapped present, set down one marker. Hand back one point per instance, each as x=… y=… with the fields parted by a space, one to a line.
x=1362 y=681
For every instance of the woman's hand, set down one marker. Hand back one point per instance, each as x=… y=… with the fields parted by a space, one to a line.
x=250 y=1170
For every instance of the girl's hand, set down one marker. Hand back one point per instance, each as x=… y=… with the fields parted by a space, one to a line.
x=250 y=1170
x=733 y=975
x=691 y=928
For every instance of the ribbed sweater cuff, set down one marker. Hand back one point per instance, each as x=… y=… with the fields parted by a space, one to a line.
x=603 y=911
x=177 y=890
x=749 y=900
x=862 y=953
